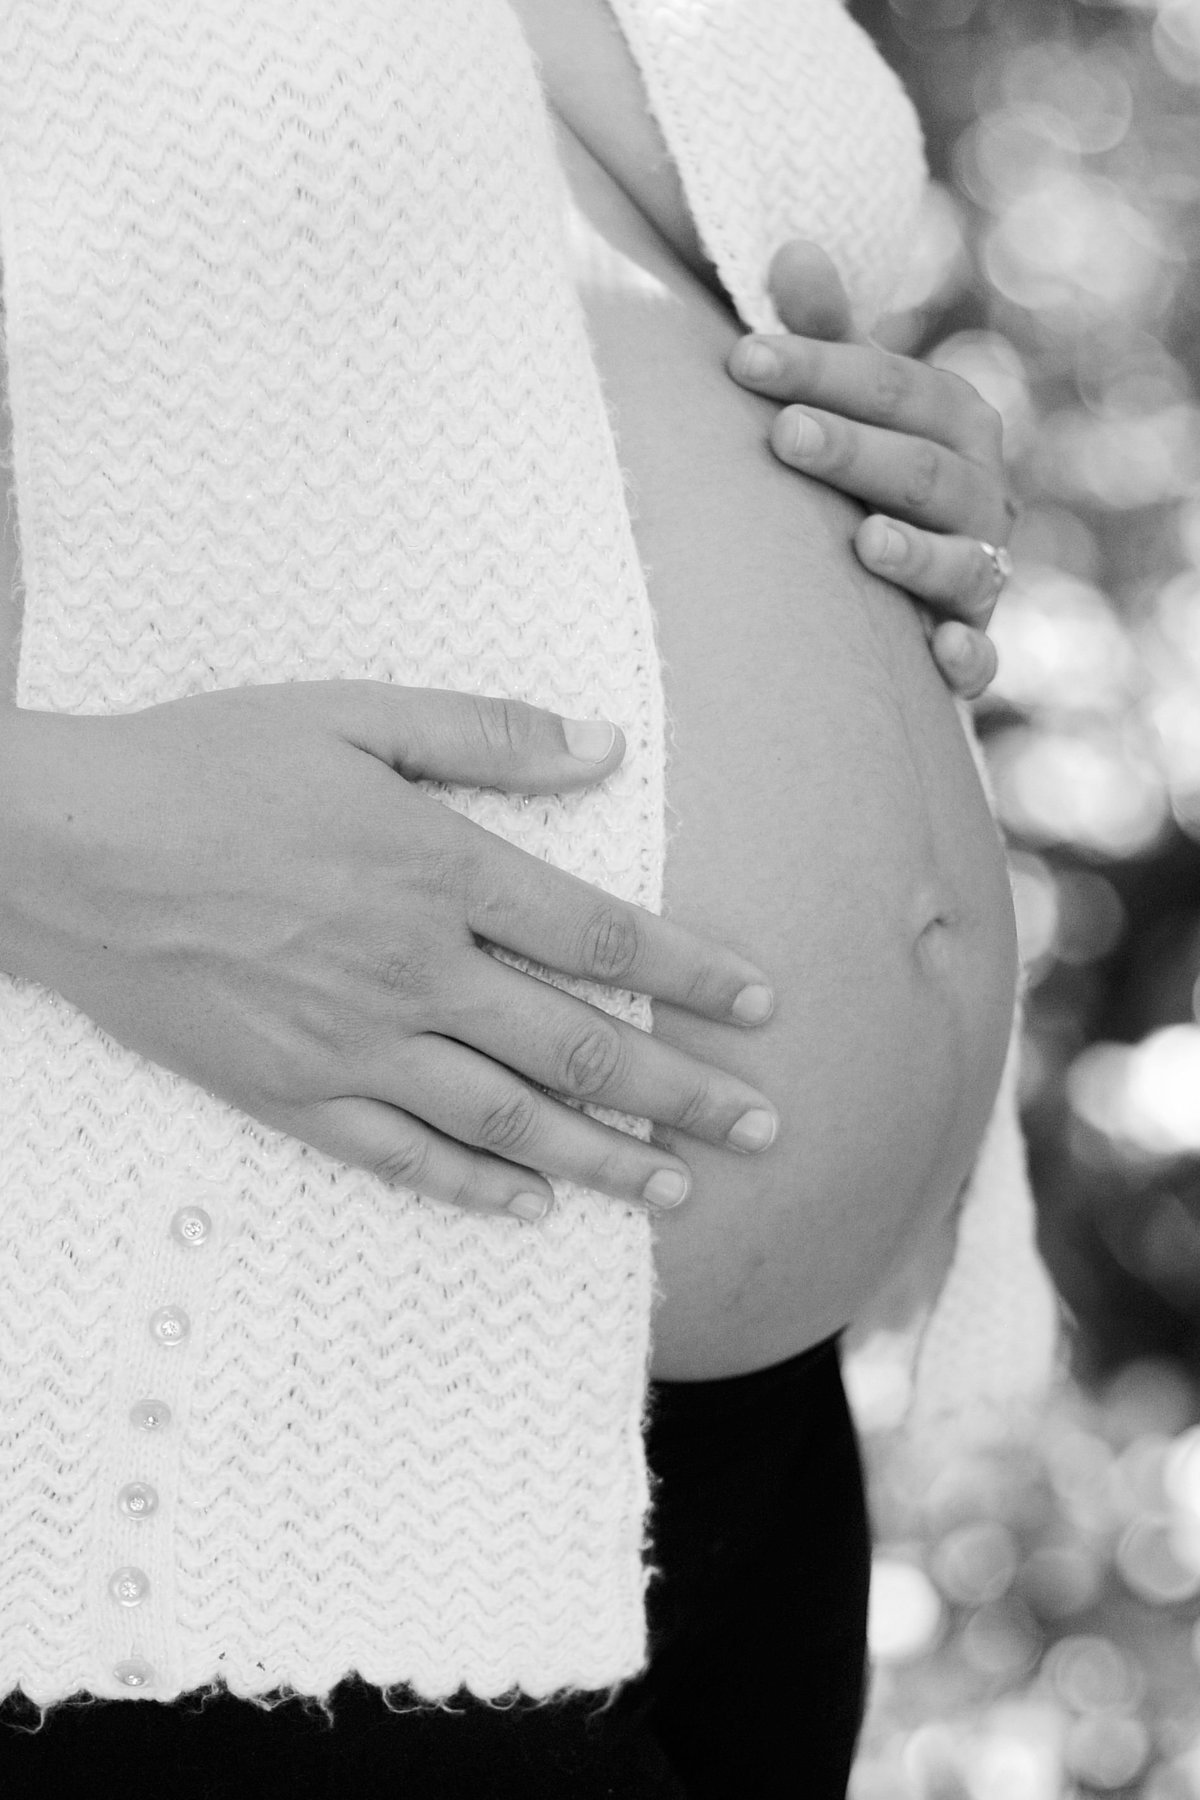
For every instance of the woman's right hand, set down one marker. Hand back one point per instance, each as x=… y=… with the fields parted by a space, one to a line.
x=245 y=887
x=893 y=432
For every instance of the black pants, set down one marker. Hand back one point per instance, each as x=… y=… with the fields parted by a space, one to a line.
x=755 y=1686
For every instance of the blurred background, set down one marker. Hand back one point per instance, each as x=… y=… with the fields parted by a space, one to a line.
x=1035 y=1621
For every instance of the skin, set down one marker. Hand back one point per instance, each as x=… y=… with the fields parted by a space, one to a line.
x=827 y=818
x=882 y=416
x=314 y=1051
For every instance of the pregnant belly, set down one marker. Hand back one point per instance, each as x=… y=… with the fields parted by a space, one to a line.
x=824 y=816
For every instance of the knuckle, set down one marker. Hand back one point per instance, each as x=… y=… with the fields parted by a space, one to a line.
x=594 y=1062
x=402 y=983
x=501 y=725
x=510 y=1124
x=460 y=1190
x=398 y=972
x=612 y=943
x=891 y=384
x=321 y=1039
x=703 y=991
x=349 y=1038
x=695 y=1108
x=441 y=872
x=922 y=477
x=609 y=1172
x=405 y=1165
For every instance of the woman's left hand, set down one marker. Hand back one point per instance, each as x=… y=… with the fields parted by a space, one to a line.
x=918 y=445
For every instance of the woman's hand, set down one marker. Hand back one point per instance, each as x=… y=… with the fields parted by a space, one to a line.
x=916 y=442
x=245 y=887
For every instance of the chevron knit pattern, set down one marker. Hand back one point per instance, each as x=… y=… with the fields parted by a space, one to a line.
x=300 y=388
x=990 y=1344
x=783 y=122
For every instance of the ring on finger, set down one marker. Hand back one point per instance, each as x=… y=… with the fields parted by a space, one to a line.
x=1002 y=566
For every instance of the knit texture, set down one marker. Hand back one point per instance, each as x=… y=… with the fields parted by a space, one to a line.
x=783 y=122
x=300 y=387
x=986 y=1349
x=829 y=151
x=989 y=1345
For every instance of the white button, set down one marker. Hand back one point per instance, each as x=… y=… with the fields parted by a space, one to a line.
x=129 y=1585
x=137 y=1500
x=170 y=1325
x=191 y=1226
x=133 y=1672
x=150 y=1415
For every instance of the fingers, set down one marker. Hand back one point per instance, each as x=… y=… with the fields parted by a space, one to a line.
x=579 y=1051
x=526 y=905
x=439 y=735
x=966 y=658
x=477 y=1102
x=807 y=291
x=954 y=574
x=405 y=1153
x=915 y=441
x=909 y=477
x=877 y=387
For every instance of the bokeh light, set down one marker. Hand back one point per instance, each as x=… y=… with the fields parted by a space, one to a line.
x=1148 y=1556
x=1062 y=647
x=1090 y=785
x=1045 y=1594
x=995 y=368
x=906 y=1613
x=1091 y=1675
x=1145 y=1095
x=1106 y=1752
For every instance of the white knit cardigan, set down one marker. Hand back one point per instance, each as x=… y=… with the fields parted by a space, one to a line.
x=301 y=388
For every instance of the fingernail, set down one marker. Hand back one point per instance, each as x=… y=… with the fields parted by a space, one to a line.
x=807 y=437
x=884 y=544
x=530 y=1207
x=667 y=1188
x=753 y=1005
x=755 y=361
x=590 y=740
x=753 y=1131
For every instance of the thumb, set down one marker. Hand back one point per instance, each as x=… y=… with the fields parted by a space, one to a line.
x=808 y=292
x=438 y=734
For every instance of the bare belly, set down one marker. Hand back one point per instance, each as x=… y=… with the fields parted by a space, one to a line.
x=824 y=815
